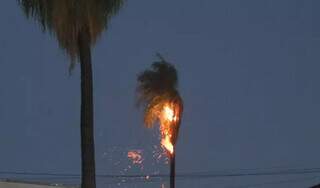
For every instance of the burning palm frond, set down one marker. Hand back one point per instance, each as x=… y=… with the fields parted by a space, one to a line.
x=158 y=94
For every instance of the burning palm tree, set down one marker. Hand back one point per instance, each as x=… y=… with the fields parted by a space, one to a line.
x=77 y=24
x=158 y=94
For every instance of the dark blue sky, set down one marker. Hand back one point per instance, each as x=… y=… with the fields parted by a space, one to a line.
x=248 y=75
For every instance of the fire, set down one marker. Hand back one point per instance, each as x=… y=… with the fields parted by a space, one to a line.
x=167 y=120
x=167 y=144
x=168 y=113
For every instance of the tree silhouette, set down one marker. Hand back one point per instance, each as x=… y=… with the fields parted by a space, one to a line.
x=77 y=24
x=158 y=94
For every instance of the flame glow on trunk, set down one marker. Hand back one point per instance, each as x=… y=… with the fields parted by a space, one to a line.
x=167 y=120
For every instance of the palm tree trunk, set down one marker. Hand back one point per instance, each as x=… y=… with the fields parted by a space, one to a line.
x=87 y=131
x=172 y=169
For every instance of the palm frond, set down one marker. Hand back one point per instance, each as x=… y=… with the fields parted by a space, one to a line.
x=65 y=19
x=153 y=109
x=161 y=78
x=156 y=87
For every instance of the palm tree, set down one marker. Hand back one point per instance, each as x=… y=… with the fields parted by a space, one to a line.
x=77 y=24
x=158 y=94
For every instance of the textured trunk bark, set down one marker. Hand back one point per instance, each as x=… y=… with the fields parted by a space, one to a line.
x=172 y=170
x=87 y=131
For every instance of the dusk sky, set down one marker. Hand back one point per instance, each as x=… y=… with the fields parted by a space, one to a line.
x=248 y=74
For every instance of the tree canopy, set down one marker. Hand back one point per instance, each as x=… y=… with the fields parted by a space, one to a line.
x=157 y=86
x=66 y=19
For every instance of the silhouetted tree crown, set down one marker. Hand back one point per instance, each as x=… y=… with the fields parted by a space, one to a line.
x=157 y=86
x=67 y=19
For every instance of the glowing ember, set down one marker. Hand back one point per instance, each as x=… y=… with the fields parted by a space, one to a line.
x=135 y=156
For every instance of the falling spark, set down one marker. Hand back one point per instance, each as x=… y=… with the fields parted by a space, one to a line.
x=135 y=156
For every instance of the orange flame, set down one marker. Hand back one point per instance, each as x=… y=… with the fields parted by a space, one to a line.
x=165 y=142
x=168 y=113
x=167 y=120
